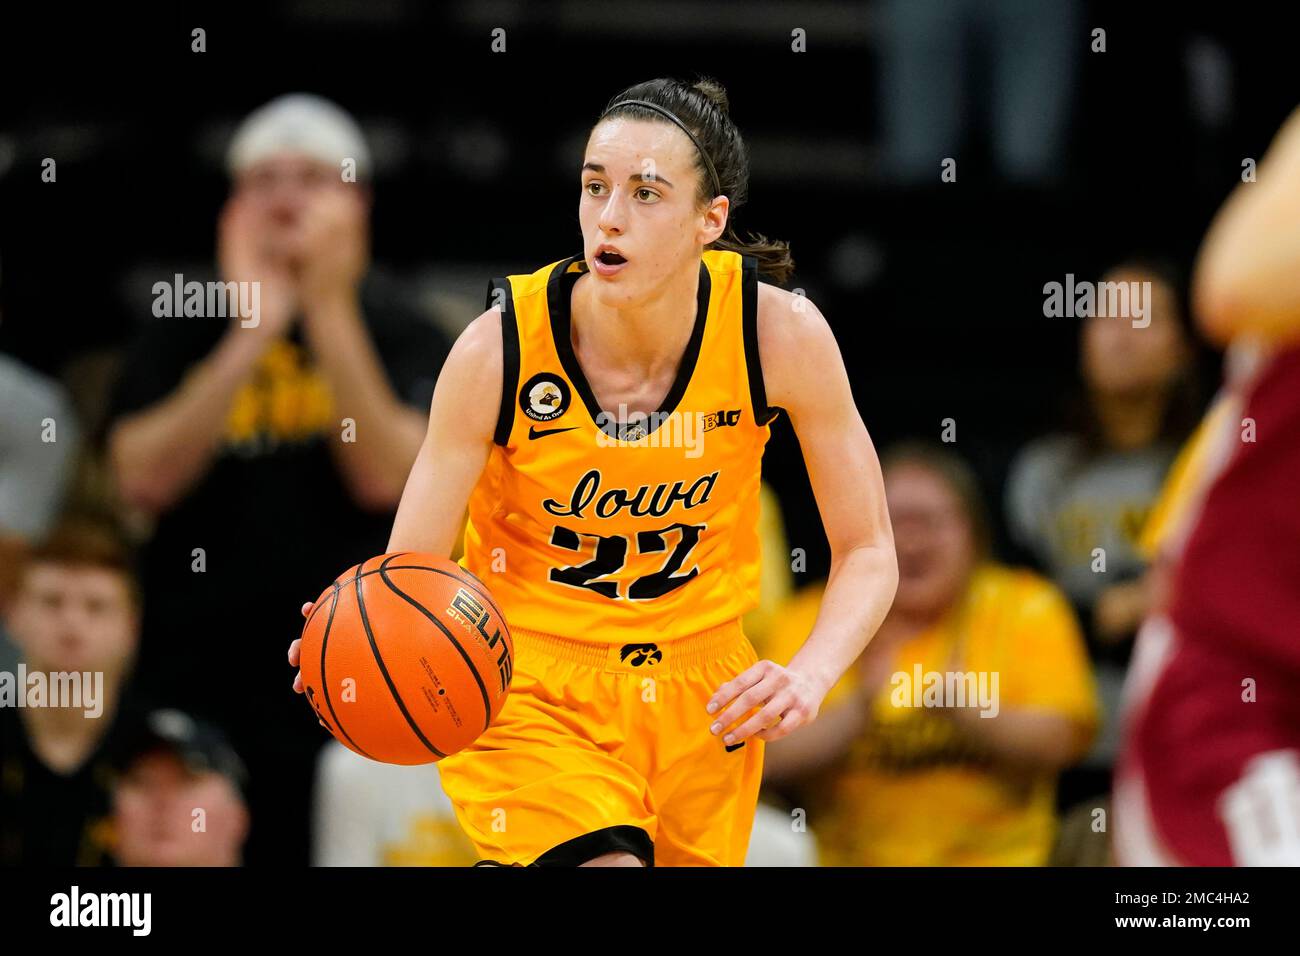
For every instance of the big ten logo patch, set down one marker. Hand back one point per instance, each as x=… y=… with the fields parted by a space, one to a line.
x=720 y=419
x=467 y=611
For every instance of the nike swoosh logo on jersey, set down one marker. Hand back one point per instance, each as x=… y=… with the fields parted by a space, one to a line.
x=533 y=432
x=735 y=746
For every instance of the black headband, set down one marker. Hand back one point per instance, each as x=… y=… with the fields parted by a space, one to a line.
x=713 y=173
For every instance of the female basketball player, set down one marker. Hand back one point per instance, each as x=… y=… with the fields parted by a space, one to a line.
x=605 y=421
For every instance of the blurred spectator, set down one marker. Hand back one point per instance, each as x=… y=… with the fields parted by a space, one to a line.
x=38 y=442
x=930 y=50
x=1093 y=487
x=890 y=783
x=1084 y=836
x=377 y=814
x=178 y=799
x=272 y=455
x=76 y=613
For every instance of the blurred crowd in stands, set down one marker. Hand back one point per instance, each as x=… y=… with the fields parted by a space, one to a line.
x=162 y=524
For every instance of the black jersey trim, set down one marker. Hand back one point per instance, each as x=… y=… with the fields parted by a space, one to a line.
x=509 y=356
x=559 y=293
x=623 y=838
x=763 y=413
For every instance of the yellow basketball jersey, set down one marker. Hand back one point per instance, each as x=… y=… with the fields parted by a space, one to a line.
x=596 y=527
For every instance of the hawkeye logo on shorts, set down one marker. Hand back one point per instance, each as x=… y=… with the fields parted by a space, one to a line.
x=638 y=654
x=545 y=397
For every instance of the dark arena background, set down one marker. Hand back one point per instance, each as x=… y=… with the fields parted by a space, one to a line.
x=934 y=164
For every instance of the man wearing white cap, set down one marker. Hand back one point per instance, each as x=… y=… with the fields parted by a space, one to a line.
x=271 y=444
x=296 y=223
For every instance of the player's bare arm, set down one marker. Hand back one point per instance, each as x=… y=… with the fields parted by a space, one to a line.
x=454 y=450
x=462 y=418
x=804 y=374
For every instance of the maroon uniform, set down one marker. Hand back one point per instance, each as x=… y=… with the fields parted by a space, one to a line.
x=1217 y=685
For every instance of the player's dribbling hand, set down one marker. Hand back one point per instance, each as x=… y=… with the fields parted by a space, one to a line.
x=295 y=653
x=295 y=658
x=787 y=700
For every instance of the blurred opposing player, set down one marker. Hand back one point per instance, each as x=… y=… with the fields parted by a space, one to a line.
x=1210 y=775
x=605 y=419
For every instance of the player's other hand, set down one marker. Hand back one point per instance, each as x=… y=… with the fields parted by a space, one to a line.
x=295 y=653
x=295 y=658
x=786 y=700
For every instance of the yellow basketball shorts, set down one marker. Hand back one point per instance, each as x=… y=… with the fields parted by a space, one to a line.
x=603 y=749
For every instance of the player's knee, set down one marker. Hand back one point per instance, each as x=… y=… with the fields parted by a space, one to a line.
x=621 y=858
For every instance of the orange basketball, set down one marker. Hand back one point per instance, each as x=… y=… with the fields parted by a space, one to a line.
x=406 y=658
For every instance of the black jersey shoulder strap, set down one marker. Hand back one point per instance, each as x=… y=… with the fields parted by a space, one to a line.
x=501 y=296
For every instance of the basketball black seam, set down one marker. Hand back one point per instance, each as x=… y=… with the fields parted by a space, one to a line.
x=316 y=607
x=392 y=688
x=324 y=684
x=476 y=585
x=478 y=679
